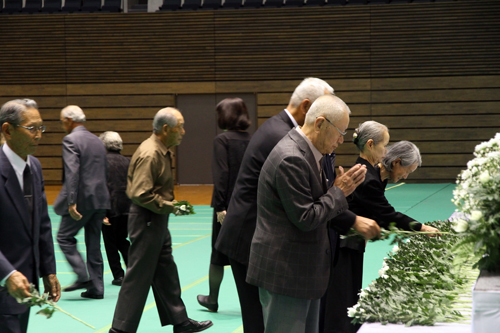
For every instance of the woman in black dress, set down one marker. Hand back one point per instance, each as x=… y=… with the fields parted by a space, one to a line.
x=229 y=148
x=368 y=200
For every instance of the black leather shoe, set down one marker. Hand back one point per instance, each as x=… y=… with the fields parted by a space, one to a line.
x=117 y=282
x=191 y=325
x=86 y=294
x=114 y=330
x=78 y=285
x=203 y=300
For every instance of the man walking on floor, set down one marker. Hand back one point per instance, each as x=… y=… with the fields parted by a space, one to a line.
x=83 y=201
x=150 y=186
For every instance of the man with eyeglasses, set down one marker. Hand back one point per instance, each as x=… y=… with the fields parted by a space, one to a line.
x=83 y=201
x=26 y=244
x=290 y=255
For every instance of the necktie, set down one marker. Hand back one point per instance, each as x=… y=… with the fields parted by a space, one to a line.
x=28 y=189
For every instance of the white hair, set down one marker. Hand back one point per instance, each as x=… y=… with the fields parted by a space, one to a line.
x=12 y=111
x=328 y=106
x=165 y=116
x=112 y=141
x=310 y=88
x=74 y=112
x=369 y=130
x=406 y=151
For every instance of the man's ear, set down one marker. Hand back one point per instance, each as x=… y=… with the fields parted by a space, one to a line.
x=304 y=106
x=317 y=124
x=6 y=130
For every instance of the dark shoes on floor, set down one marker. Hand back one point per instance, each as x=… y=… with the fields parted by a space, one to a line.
x=79 y=285
x=117 y=282
x=203 y=300
x=114 y=330
x=191 y=325
x=86 y=294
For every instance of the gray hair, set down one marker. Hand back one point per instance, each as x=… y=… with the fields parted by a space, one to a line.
x=310 y=88
x=328 y=106
x=164 y=117
x=12 y=111
x=112 y=141
x=406 y=151
x=74 y=112
x=368 y=130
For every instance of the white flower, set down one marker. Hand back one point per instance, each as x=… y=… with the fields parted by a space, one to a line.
x=183 y=208
x=354 y=135
x=351 y=312
x=484 y=177
x=460 y=225
x=395 y=249
x=476 y=215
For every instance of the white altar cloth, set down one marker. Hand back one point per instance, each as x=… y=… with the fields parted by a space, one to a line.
x=437 y=328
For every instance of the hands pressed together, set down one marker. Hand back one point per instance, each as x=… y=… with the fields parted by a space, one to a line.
x=348 y=181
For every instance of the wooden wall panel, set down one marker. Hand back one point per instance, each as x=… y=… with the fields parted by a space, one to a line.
x=430 y=71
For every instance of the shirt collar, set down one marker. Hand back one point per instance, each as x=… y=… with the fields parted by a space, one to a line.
x=295 y=124
x=161 y=146
x=317 y=155
x=17 y=162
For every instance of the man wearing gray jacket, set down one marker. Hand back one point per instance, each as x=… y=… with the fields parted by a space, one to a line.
x=83 y=201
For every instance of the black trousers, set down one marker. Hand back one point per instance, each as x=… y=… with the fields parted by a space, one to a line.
x=251 y=308
x=346 y=279
x=116 y=242
x=14 y=323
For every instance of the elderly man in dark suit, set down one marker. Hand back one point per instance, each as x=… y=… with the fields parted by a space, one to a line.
x=239 y=224
x=290 y=255
x=26 y=245
x=83 y=201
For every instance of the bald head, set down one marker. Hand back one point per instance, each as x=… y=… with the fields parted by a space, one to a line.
x=329 y=106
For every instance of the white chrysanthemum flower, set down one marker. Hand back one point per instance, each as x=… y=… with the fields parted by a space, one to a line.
x=395 y=249
x=183 y=207
x=351 y=312
x=476 y=215
x=484 y=177
x=460 y=225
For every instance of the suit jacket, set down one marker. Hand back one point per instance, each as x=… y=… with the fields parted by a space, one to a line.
x=84 y=177
x=369 y=200
x=25 y=248
x=290 y=251
x=237 y=230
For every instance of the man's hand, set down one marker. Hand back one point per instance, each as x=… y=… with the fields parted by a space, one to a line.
x=221 y=216
x=428 y=228
x=18 y=285
x=52 y=286
x=74 y=213
x=348 y=181
x=105 y=221
x=368 y=228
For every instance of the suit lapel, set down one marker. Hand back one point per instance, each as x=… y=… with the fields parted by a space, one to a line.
x=308 y=154
x=13 y=189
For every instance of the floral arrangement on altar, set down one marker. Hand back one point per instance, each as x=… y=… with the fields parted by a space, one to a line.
x=477 y=197
x=420 y=283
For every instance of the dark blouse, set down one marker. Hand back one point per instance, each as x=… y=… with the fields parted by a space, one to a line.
x=229 y=148
x=117 y=183
x=368 y=200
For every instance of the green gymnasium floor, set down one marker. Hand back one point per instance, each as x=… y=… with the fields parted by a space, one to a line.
x=192 y=238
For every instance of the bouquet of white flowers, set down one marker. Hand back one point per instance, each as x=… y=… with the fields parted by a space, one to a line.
x=477 y=196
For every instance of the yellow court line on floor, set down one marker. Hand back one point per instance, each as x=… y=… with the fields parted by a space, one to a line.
x=238 y=330
x=152 y=305
x=390 y=188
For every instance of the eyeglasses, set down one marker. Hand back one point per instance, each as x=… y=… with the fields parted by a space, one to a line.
x=34 y=129
x=341 y=133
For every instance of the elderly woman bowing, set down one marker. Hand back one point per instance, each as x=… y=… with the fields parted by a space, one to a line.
x=368 y=200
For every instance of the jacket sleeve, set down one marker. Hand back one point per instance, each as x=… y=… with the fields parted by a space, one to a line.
x=220 y=173
x=71 y=159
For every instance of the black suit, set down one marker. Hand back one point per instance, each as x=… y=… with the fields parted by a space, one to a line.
x=368 y=200
x=237 y=231
x=25 y=246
